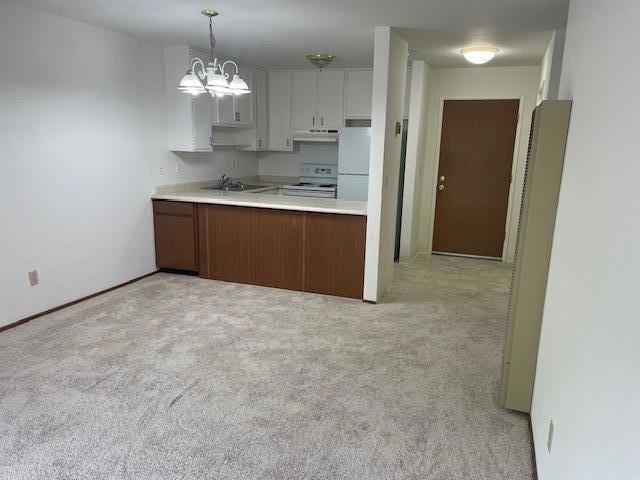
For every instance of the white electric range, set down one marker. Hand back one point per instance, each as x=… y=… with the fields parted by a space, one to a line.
x=316 y=180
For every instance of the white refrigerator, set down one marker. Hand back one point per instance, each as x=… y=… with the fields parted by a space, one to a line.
x=353 y=163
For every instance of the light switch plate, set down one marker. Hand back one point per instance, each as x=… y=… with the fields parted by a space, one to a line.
x=33 y=278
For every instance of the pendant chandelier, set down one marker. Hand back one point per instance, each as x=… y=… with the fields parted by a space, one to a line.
x=212 y=78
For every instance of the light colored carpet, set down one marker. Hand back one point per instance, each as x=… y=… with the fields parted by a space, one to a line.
x=175 y=377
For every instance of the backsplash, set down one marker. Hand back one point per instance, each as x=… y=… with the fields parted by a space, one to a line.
x=287 y=164
x=187 y=167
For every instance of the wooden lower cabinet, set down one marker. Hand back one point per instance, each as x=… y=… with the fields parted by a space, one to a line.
x=334 y=254
x=175 y=235
x=226 y=236
x=279 y=244
x=313 y=252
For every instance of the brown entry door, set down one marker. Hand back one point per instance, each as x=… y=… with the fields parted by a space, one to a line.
x=476 y=155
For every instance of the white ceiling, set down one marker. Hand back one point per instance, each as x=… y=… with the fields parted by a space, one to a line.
x=277 y=33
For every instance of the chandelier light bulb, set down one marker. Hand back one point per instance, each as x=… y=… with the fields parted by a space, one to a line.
x=238 y=86
x=191 y=84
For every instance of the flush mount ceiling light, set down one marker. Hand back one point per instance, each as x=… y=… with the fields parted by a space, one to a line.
x=479 y=55
x=320 y=60
x=212 y=78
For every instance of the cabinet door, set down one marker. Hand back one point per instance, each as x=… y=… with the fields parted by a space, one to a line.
x=224 y=112
x=305 y=99
x=244 y=103
x=226 y=236
x=189 y=118
x=175 y=235
x=358 y=94
x=279 y=84
x=331 y=99
x=261 y=109
x=202 y=121
x=334 y=254
x=279 y=248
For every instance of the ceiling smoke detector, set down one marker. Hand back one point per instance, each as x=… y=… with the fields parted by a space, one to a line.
x=320 y=60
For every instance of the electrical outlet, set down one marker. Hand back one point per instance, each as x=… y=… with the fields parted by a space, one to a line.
x=177 y=165
x=550 y=437
x=33 y=278
x=160 y=170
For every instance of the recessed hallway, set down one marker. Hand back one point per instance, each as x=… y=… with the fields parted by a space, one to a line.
x=178 y=377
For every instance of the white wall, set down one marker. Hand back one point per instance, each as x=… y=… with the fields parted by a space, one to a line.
x=588 y=363
x=185 y=167
x=414 y=167
x=545 y=70
x=82 y=132
x=551 y=67
x=287 y=164
x=389 y=77
x=556 y=63
x=479 y=82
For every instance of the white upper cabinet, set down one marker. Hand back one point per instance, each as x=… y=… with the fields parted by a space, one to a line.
x=318 y=99
x=279 y=99
x=254 y=138
x=262 y=111
x=188 y=118
x=358 y=94
x=244 y=103
x=305 y=99
x=331 y=98
x=235 y=111
x=224 y=111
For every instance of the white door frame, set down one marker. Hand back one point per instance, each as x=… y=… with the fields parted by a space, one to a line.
x=514 y=167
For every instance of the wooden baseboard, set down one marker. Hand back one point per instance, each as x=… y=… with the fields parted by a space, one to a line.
x=60 y=307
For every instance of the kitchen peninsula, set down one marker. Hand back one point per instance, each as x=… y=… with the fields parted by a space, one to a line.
x=297 y=243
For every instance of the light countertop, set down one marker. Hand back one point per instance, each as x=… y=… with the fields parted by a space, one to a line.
x=266 y=198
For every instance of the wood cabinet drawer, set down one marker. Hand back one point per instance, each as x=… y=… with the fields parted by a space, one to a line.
x=168 y=207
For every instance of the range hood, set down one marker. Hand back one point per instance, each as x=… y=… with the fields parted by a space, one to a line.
x=326 y=135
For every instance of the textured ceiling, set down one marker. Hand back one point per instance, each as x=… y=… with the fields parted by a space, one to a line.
x=279 y=32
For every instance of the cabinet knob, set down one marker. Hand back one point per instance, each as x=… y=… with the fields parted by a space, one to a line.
x=441 y=187
x=313 y=121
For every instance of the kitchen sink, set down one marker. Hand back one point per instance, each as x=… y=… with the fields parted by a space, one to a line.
x=236 y=187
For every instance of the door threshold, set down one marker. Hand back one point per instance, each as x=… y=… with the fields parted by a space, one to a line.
x=466 y=255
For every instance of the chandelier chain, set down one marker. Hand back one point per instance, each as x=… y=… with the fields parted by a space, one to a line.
x=212 y=40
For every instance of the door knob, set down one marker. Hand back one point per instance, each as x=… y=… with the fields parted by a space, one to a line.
x=442 y=179
x=441 y=187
